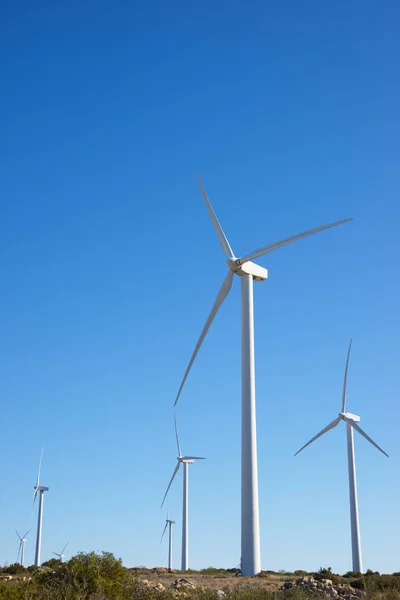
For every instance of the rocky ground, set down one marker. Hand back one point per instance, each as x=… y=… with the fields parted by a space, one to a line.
x=161 y=579
x=220 y=581
x=311 y=585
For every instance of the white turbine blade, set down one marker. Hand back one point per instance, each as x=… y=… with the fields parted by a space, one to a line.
x=177 y=438
x=40 y=465
x=34 y=497
x=19 y=551
x=24 y=536
x=358 y=428
x=55 y=553
x=62 y=551
x=222 y=294
x=18 y=535
x=165 y=529
x=221 y=236
x=293 y=238
x=171 y=480
x=327 y=428
x=345 y=380
x=194 y=458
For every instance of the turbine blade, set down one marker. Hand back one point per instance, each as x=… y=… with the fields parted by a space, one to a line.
x=29 y=530
x=165 y=528
x=18 y=535
x=62 y=551
x=55 y=553
x=221 y=236
x=177 y=438
x=327 y=428
x=171 y=480
x=34 y=497
x=222 y=294
x=40 y=465
x=293 y=238
x=194 y=458
x=358 y=428
x=344 y=395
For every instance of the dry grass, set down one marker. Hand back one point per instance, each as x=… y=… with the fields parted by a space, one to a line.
x=218 y=581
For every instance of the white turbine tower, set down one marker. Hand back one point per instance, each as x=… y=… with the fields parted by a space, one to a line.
x=61 y=555
x=247 y=270
x=351 y=423
x=186 y=461
x=168 y=522
x=39 y=489
x=21 y=549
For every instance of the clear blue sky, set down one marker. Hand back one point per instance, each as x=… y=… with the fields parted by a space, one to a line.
x=109 y=266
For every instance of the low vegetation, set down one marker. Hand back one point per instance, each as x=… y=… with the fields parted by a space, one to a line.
x=101 y=577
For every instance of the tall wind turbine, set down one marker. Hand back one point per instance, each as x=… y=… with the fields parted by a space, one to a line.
x=39 y=489
x=168 y=522
x=186 y=461
x=61 y=555
x=21 y=549
x=247 y=270
x=351 y=423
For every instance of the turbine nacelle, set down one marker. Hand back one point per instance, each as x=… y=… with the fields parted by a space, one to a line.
x=247 y=268
x=344 y=415
x=40 y=488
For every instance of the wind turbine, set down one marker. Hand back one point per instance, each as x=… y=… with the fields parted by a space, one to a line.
x=39 y=489
x=61 y=555
x=168 y=522
x=186 y=461
x=351 y=423
x=21 y=549
x=247 y=270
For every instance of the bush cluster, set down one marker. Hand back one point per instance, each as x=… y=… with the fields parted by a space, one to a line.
x=90 y=576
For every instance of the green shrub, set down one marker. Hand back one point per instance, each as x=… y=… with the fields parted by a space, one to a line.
x=15 y=569
x=212 y=571
x=327 y=574
x=383 y=583
x=32 y=569
x=52 y=563
x=14 y=592
x=351 y=574
x=358 y=584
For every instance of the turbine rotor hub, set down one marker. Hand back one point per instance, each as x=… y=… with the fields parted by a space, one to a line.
x=233 y=264
x=248 y=268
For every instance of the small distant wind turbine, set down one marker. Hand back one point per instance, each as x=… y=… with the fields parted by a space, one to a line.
x=248 y=271
x=351 y=423
x=186 y=461
x=61 y=555
x=39 y=489
x=21 y=549
x=168 y=522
